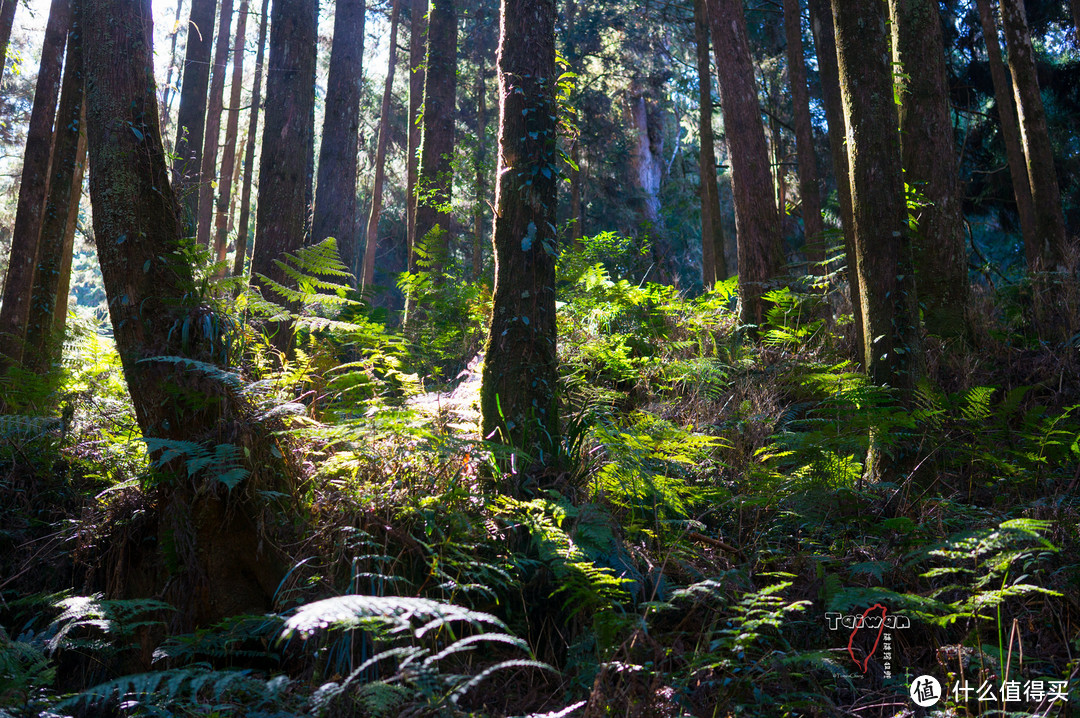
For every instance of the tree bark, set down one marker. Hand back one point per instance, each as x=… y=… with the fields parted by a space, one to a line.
x=436 y=177
x=234 y=201
x=417 y=67
x=775 y=142
x=226 y=179
x=1010 y=133
x=821 y=23
x=479 y=166
x=647 y=161
x=168 y=93
x=371 y=243
x=7 y=20
x=577 y=208
x=223 y=567
x=65 y=187
x=929 y=157
x=208 y=173
x=288 y=136
x=647 y=169
x=136 y=220
x=518 y=395
x=249 y=151
x=335 y=201
x=1074 y=6
x=60 y=309
x=191 y=117
x=757 y=223
x=809 y=189
x=33 y=188
x=882 y=242
x=1045 y=194
x=713 y=264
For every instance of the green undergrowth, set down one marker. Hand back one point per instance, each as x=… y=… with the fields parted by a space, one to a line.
x=708 y=515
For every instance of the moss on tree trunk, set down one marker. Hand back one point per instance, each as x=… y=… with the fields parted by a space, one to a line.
x=821 y=23
x=436 y=173
x=929 y=157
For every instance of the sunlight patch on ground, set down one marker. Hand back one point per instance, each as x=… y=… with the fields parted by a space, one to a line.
x=460 y=407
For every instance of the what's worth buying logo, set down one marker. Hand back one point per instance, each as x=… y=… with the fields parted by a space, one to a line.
x=873 y=622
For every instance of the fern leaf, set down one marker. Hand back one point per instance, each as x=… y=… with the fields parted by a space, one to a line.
x=469 y=642
x=395 y=612
x=468 y=685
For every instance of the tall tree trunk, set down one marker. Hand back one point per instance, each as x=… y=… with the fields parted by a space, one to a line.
x=234 y=201
x=757 y=223
x=821 y=23
x=713 y=264
x=168 y=93
x=882 y=242
x=417 y=67
x=929 y=157
x=519 y=393
x=249 y=151
x=41 y=343
x=1010 y=133
x=310 y=185
x=647 y=167
x=809 y=188
x=577 y=177
x=7 y=20
x=1045 y=195
x=647 y=160
x=775 y=143
x=136 y=222
x=224 y=566
x=480 y=167
x=1074 y=6
x=288 y=136
x=33 y=188
x=335 y=201
x=191 y=117
x=213 y=125
x=436 y=177
x=227 y=179
x=60 y=309
x=371 y=243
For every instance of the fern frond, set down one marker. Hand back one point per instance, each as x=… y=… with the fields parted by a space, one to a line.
x=28 y=428
x=397 y=613
x=113 y=618
x=219 y=374
x=468 y=685
x=192 y=685
x=222 y=462
x=469 y=642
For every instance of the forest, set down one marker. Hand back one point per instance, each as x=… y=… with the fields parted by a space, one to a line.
x=446 y=358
